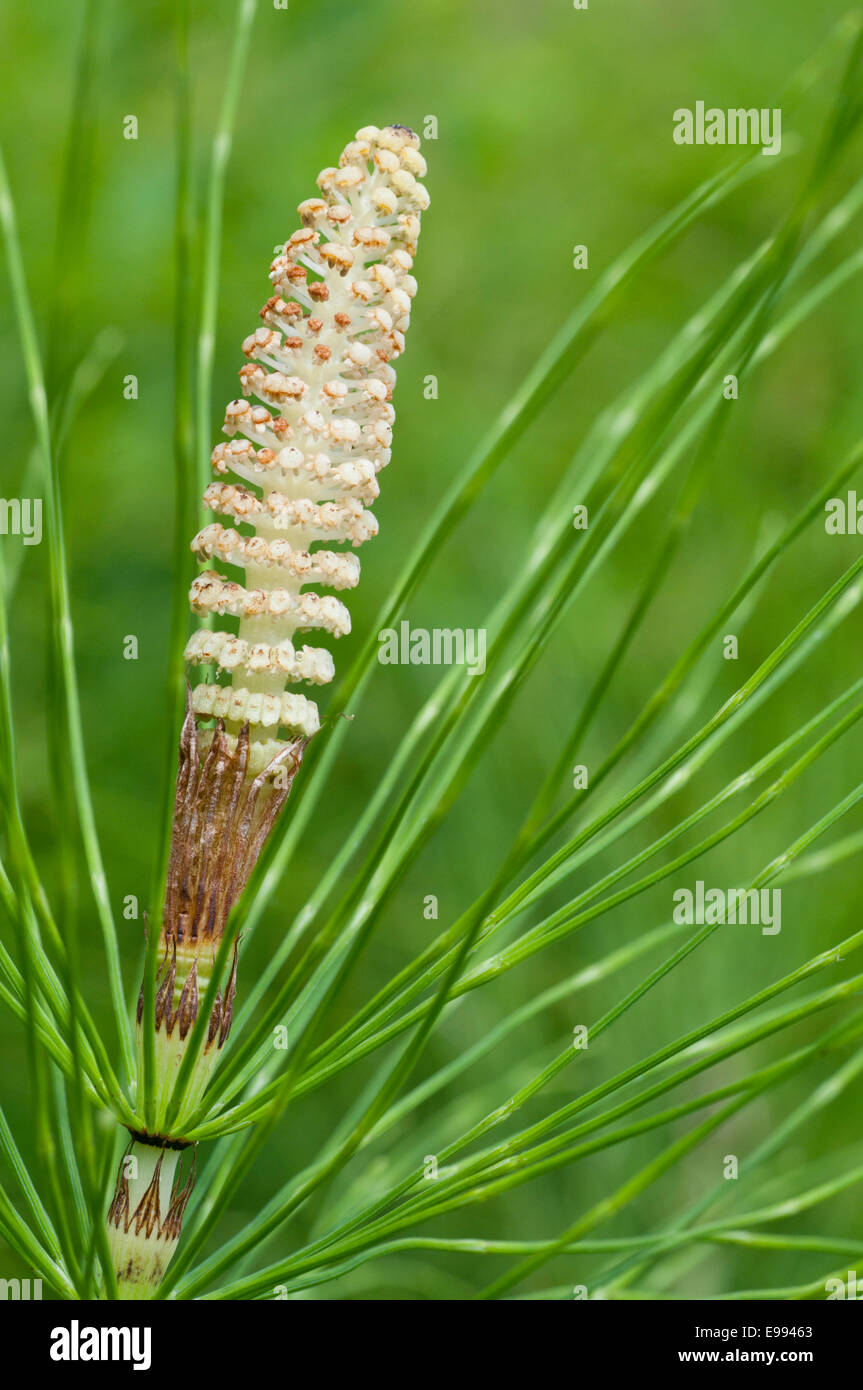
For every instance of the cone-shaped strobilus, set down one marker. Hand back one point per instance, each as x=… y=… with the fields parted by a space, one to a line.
x=299 y=471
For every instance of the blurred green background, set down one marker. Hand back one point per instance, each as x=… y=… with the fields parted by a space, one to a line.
x=554 y=128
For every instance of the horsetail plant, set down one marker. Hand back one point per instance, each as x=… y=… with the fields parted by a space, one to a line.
x=306 y=459
x=203 y=1094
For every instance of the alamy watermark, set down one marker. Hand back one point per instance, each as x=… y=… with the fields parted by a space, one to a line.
x=20 y=1289
x=437 y=646
x=844 y=515
x=22 y=516
x=735 y=906
x=710 y=125
x=844 y=1288
x=77 y=1343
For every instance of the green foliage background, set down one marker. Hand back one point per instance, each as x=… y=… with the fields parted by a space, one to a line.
x=554 y=129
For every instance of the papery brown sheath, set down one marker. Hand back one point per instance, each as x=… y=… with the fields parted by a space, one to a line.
x=305 y=462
